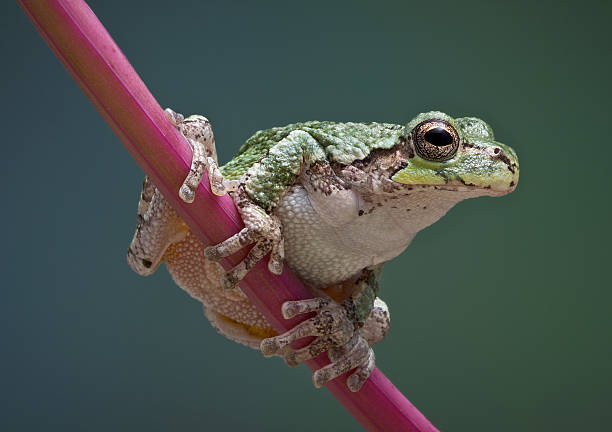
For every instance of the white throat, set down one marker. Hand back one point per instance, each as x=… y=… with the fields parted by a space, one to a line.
x=329 y=238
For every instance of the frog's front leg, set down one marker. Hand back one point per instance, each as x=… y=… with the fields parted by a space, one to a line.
x=199 y=134
x=260 y=228
x=258 y=193
x=345 y=330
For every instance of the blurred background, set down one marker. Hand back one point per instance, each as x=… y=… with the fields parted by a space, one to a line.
x=500 y=311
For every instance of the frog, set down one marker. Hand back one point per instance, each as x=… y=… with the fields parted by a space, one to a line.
x=332 y=201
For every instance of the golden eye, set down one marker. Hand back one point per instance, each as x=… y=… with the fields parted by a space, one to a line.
x=435 y=140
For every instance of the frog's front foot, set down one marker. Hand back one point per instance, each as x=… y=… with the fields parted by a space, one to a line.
x=260 y=228
x=198 y=132
x=334 y=332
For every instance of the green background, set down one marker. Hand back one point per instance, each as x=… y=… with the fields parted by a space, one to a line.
x=500 y=311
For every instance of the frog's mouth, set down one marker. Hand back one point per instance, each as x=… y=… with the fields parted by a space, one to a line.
x=446 y=179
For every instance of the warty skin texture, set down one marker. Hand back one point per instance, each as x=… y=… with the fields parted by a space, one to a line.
x=336 y=200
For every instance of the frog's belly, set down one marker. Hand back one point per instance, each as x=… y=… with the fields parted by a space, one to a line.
x=322 y=252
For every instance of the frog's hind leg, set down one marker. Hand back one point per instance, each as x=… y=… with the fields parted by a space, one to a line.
x=344 y=329
x=334 y=332
x=250 y=336
x=230 y=312
x=158 y=227
x=358 y=352
x=198 y=131
x=146 y=195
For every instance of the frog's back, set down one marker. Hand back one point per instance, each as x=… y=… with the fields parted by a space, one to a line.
x=360 y=137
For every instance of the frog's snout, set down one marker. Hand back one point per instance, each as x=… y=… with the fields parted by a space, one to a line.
x=506 y=155
x=502 y=178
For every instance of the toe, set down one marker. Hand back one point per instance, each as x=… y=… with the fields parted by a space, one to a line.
x=293 y=308
x=277 y=255
x=353 y=358
x=186 y=194
x=230 y=246
x=275 y=265
x=215 y=178
x=362 y=373
x=298 y=356
x=310 y=327
x=174 y=117
x=230 y=279
x=271 y=346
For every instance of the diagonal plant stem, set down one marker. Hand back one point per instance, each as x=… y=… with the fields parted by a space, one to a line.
x=93 y=59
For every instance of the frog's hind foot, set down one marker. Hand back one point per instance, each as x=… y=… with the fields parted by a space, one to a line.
x=356 y=354
x=198 y=132
x=334 y=332
x=260 y=228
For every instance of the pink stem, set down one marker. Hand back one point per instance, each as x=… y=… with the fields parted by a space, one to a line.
x=93 y=59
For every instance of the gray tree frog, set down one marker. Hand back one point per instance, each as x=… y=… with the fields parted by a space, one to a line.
x=333 y=201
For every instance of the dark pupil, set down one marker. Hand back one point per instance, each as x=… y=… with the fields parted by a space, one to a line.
x=438 y=136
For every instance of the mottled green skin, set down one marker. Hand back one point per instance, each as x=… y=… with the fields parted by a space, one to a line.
x=342 y=142
x=348 y=142
x=303 y=142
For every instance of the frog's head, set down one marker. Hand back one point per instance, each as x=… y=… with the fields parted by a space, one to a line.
x=458 y=153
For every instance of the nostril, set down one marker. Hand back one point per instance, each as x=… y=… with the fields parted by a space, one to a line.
x=147 y=263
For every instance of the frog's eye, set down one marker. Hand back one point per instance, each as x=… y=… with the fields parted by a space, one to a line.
x=436 y=140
